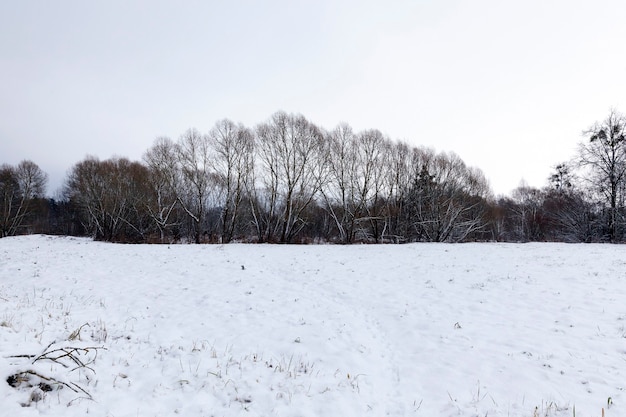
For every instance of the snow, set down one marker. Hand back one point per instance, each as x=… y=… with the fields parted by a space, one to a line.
x=480 y=329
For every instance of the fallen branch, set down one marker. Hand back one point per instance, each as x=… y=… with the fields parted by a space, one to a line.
x=73 y=354
x=22 y=377
x=69 y=357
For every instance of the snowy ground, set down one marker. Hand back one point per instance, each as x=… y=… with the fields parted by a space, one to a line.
x=260 y=330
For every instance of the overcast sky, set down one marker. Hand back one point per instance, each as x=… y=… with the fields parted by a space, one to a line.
x=507 y=85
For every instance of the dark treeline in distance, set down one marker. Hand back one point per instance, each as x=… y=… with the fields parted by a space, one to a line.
x=288 y=181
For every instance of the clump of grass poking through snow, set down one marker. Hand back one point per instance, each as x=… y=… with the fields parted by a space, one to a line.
x=7 y=321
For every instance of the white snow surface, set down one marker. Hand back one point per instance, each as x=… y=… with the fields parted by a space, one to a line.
x=477 y=329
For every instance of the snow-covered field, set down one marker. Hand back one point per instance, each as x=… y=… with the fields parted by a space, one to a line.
x=90 y=328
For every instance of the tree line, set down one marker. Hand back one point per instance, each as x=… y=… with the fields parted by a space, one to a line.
x=289 y=181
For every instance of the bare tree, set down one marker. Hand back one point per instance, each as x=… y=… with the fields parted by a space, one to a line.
x=232 y=163
x=604 y=155
x=112 y=198
x=397 y=183
x=134 y=185
x=85 y=188
x=164 y=178
x=447 y=201
x=198 y=185
x=373 y=162
x=10 y=197
x=339 y=190
x=19 y=188
x=354 y=192
x=528 y=213
x=288 y=149
x=368 y=176
x=571 y=216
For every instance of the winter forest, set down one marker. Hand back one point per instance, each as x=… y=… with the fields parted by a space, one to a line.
x=289 y=181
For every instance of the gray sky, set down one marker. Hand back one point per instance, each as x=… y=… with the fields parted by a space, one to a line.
x=507 y=85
